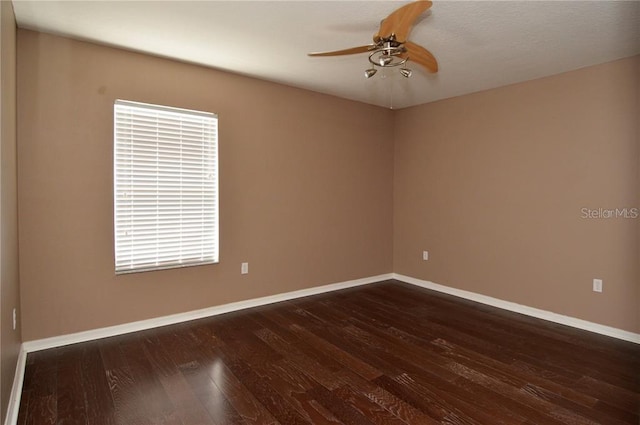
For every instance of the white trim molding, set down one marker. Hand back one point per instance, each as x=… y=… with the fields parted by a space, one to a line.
x=59 y=341
x=16 y=389
x=523 y=309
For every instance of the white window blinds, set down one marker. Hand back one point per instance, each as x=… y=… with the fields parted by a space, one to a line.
x=166 y=187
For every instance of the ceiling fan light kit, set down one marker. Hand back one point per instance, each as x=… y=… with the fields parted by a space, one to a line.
x=406 y=72
x=391 y=47
x=389 y=55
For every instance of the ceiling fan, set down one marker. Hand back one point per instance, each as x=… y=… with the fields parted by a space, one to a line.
x=391 y=46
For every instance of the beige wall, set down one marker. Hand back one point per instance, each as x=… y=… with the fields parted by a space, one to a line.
x=306 y=187
x=9 y=290
x=492 y=185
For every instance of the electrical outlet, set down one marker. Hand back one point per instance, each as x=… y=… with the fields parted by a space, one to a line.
x=15 y=319
x=244 y=268
x=425 y=255
x=597 y=285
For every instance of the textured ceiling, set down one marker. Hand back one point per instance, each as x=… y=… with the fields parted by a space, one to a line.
x=478 y=44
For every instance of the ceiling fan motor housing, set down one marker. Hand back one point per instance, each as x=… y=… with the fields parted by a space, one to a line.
x=388 y=53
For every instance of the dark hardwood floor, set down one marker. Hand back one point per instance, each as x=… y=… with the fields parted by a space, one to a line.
x=387 y=353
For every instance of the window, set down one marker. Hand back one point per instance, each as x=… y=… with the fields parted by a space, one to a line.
x=166 y=187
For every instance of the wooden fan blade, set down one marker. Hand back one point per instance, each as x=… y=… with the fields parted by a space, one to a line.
x=420 y=55
x=401 y=21
x=351 y=51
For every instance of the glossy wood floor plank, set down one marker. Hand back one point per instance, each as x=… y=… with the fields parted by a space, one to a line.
x=387 y=353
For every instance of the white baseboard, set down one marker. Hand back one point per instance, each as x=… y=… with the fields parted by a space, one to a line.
x=93 y=334
x=16 y=390
x=59 y=341
x=523 y=309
